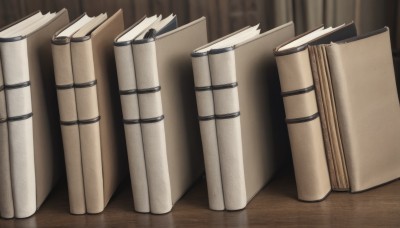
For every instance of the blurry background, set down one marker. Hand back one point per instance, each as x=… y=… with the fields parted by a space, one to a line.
x=225 y=16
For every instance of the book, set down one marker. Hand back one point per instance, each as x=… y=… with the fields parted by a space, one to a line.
x=334 y=128
x=6 y=201
x=234 y=81
x=158 y=100
x=29 y=114
x=130 y=109
x=367 y=107
x=302 y=114
x=61 y=49
x=90 y=110
x=206 y=115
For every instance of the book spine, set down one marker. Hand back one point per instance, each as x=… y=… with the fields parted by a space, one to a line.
x=6 y=197
x=14 y=56
x=89 y=126
x=304 y=126
x=152 y=126
x=205 y=108
x=69 y=126
x=133 y=132
x=227 y=114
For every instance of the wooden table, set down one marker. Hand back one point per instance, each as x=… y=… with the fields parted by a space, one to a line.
x=275 y=205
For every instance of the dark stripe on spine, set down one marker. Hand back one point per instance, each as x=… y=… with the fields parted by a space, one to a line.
x=297 y=92
x=3 y=121
x=1 y=88
x=225 y=86
x=206 y=118
x=302 y=119
x=128 y=92
x=86 y=84
x=228 y=115
x=132 y=121
x=89 y=121
x=203 y=88
x=18 y=85
x=152 y=120
x=19 y=118
x=69 y=123
x=67 y=86
x=149 y=90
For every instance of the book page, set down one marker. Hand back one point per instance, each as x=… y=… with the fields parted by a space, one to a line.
x=75 y=26
x=158 y=25
x=88 y=27
x=11 y=31
x=140 y=28
x=233 y=40
x=309 y=37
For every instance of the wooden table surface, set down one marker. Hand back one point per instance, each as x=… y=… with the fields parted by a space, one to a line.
x=275 y=205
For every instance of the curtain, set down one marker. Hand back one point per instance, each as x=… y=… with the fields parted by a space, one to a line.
x=307 y=14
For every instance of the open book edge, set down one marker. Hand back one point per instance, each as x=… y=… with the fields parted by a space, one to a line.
x=28 y=25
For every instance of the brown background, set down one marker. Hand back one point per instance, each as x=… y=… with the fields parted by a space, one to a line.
x=224 y=16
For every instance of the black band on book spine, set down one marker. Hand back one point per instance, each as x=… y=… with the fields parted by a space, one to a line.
x=12 y=39
x=3 y=120
x=18 y=85
x=206 y=118
x=67 y=86
x=143 y=41
x=89 y=121
x=220 y=50
x=19 y=118
x=69 y=123
x=149 y=90
x=80 y=39
x=302 y=119
x=85 y=84
x=129 y=42
x=203 y=88
x=225 y=86
x=196 y=54
x=128 y=92
x=227 y=116
x=1 y=88
x=132 y=121
x=298 y=91
x=152 y=120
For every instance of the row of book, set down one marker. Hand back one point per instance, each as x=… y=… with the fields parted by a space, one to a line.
x=160 y=101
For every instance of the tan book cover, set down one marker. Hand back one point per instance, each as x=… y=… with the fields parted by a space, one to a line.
x=34 y=145
x=90 y=111
x=250 y=135
x=166 y=118
x=351 y=146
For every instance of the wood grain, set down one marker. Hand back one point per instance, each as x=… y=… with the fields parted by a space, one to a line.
x=275 y=205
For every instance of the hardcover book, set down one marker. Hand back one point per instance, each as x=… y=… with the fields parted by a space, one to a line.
x=158 y=102
x=240 y=113
x=90 y=110
x=342 y=110
x=30 y=147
